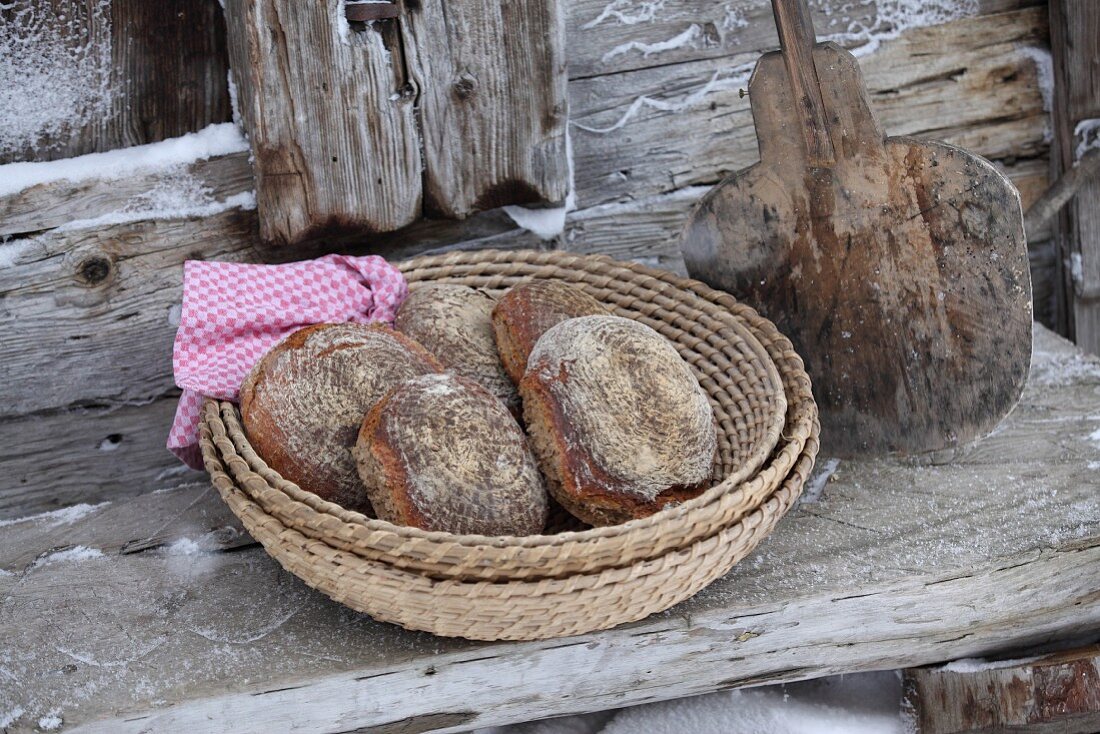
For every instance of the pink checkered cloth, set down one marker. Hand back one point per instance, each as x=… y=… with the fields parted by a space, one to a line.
x=233 y=313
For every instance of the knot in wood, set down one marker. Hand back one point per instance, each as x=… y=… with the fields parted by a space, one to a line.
x=93 y=270
x=465 y=87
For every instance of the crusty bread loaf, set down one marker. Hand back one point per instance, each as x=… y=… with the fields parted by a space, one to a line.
x=527 y=310
x=439 y=452
x=617 y=420
x=454 y=322
x=302 y=404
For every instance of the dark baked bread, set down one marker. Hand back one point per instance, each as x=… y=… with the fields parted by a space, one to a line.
x=454 y=322
x=527 y=310
x=439 y=452
x=302 y=404
x=618 y=421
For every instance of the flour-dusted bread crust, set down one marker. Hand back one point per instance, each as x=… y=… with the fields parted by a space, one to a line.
x=619 y=423
x=527 y=310
x=302 y=404
x=454 y=322
x=440 y=452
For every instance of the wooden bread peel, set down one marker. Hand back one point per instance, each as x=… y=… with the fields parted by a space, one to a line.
x=897 y=267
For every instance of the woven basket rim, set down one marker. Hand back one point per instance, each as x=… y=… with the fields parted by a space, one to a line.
x=729 y=484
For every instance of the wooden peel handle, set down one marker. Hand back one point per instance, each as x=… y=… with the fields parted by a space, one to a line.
x=797 y=39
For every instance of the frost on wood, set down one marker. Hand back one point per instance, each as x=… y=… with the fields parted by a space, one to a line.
x=55 y=70
x=893 y=17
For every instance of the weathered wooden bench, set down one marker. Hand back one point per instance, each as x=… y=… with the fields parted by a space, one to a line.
x=160 y=614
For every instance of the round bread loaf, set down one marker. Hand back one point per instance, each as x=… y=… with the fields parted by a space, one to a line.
x=303 y=402
x=454 y=322
x=439 y=452
x=617 y=420
x=527 y=310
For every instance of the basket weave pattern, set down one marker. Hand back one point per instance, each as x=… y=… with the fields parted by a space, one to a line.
x=566 y=583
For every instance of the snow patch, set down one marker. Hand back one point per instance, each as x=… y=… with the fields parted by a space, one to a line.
x=10 y=252
x=977 y=665
x=64 y=516
x=1044 y=72
x=76 y=553
x=546 y=224
x=183 y=547
x=1076 y=268
x=1087 y=135
x=734 y=18
x=7 y=718
x=688 y=38
x=214 y=140
x=55 y=71
x=1095 y=437
x=895 y=17
x=50 y=722
x=234 y=99
x=182 y=199
x=1093 y=466
x=628 y=12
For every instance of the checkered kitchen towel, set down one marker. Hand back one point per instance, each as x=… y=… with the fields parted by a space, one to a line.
x=233 y=313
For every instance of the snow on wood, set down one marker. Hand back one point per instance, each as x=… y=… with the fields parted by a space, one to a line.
x=216 y=140
x=896 y=565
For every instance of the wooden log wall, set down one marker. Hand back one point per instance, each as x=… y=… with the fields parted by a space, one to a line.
x=87 y=370
x=93 y=75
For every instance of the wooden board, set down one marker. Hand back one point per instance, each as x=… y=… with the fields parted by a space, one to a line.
x=1075 y=37
x=897 y=267
x=492 y=102
x=893 y=565
x=116 y=74
x=1048 y=694
x=331 y=122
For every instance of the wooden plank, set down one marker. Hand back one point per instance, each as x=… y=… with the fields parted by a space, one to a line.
x=608 y=36
x=1058 y=693
x=979 y=91
x=492 y=102
x=87 y=455
x=1075 y=41
x=51 y=205
x=99 y=76
x=895 y=565
x=330 y=119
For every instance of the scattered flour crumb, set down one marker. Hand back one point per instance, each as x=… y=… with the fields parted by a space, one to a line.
x=220 y=139
x=50 y=722
x=76 y=553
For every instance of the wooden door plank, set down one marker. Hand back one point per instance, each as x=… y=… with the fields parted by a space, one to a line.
x=329 y=117
x=492 y=102
x=894 y=565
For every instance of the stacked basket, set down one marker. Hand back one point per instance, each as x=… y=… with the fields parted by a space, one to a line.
x=574 y=581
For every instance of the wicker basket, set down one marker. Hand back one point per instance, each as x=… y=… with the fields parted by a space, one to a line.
x=707 y=326
x=511 y=610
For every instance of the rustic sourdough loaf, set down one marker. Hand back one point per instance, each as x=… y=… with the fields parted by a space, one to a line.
x=440 y=452
x=302 y=404
x=527 y=310
x=454 y=322
x=618 y=421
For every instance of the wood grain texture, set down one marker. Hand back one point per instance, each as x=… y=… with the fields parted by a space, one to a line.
x=900 y=272
x=1058 y=693
x=1075 y=41
x=957 y=560
x=492 y=102
x=330 y=119
x=166 y=73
